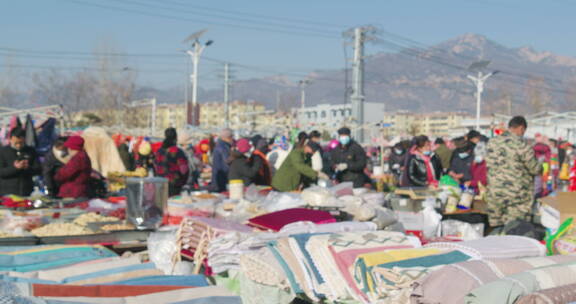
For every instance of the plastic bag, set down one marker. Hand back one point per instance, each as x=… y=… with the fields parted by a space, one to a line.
x=462 y=230
x=431 y=222
x=343 y=189
x=316 y=196
x=276 y=201
x=161 y=248
x=447 y=180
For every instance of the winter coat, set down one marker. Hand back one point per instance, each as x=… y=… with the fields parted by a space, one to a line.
x=220 y=166
x=396 y=162
x=416 y=171
x=355 y=157
x=292 y=172
x=74 y=177
x=462 y=166
x=479 y=172
x=126 y=156
x=445 y=156
x=243 y=168
x=50 y=167
x=15 y=181
x=172 y=164
x=264 y=176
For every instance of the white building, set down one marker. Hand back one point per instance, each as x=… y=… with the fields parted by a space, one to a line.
x=331 y=117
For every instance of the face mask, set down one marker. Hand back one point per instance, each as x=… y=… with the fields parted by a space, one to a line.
x=398 y=151
x=248 y=154
x=344 y=140
x=427 y=153
x=478 y=159
x=463 y=155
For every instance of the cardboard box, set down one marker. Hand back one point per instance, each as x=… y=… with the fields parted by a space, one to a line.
x=557 y=209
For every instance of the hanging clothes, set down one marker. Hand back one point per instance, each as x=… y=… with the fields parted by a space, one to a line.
x=30 y=132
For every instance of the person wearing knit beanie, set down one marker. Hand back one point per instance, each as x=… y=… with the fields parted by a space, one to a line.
x=74 y=177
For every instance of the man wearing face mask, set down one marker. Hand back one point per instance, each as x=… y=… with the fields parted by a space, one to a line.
x=349 y=160
x=74 y=177
x=512 y=167
x=461 y=163
x=56 y=159
x=18 y=165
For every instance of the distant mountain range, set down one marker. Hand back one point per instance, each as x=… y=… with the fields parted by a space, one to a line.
x=428 y=79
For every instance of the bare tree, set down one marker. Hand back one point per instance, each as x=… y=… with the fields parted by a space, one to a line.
x=538 y=98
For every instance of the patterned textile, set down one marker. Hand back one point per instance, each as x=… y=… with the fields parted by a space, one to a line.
x=378 y=280
x=172 y=164
x=558 y=295
x=225 y=250
x=496 y=247
x=511 y=288
x=511 y=170
x=334 y=256
x=465 y=277
x=262 y=267
x=196 y=233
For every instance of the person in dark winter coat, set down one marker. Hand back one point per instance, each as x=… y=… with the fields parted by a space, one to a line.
x=264 y=176
x=349 y=160
x=55 y=159
x=74 y=177
x=171 y=162
x=220 y=166
x=241 y=166
x=397 y=160
x=461 y=163
x=18 y=165
x=423 y=168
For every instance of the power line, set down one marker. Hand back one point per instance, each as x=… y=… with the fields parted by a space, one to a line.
x=197 y=21
x=274 y=18
x=228 y=18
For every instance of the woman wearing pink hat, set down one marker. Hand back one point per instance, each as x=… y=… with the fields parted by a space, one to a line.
x=74 y=177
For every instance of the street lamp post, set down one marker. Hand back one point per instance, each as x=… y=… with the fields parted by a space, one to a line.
x=479 y=81
x=194 y=53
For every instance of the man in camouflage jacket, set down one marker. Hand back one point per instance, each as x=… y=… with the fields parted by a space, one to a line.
x=511 y=170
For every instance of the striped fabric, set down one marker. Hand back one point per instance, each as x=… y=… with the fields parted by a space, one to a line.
x=467 y=276
x=513 y=287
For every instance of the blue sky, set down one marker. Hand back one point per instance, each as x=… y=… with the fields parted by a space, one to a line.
x=314 y=42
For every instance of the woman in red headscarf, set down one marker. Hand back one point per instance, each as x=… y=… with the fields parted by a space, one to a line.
x=74 y=177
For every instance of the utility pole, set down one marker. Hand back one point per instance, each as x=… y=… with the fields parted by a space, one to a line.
x=194 y=53
x=360 y=36
x=303 y=84
x=226 y=95
x=277 y=100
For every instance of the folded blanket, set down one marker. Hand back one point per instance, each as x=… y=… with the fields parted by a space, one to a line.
x=513 y=287
x=467 y=276
x=34 y=258
x=497 y=247
x=262 y=267
x=378 y=280
x=276 y=220
x=334 y=256
x=557 y=295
